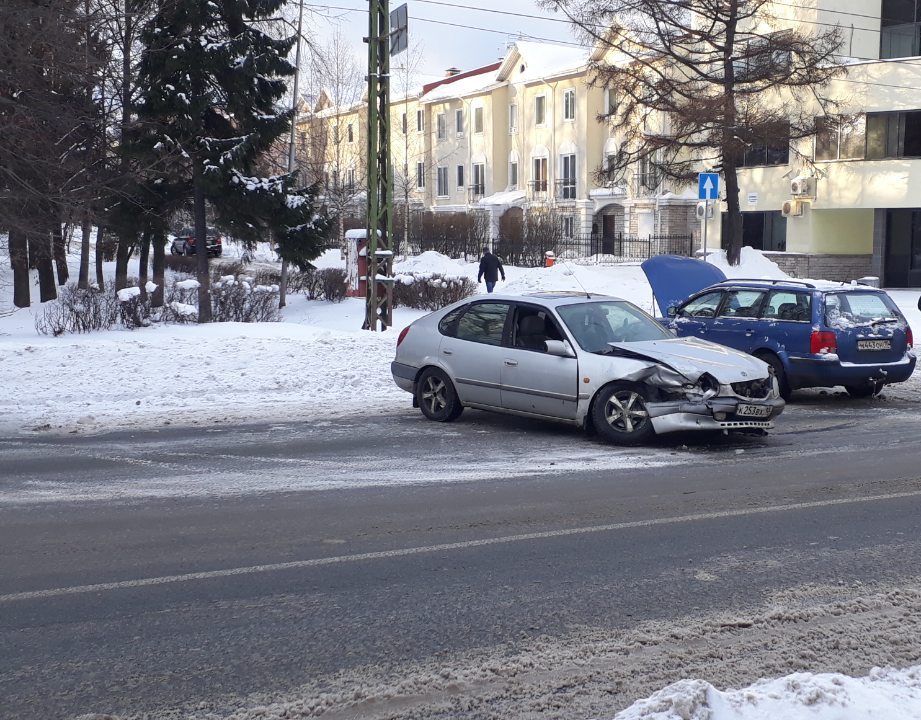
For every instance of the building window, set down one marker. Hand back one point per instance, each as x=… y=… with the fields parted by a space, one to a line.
x=459 y=123
x=441 y=124
x=539 y=178
x=336 y=134
x=568 y=175
x=770 y=152
x=763 y=58
x=460 y=177
x=420 y=121
x=350 y=133
x=350 y=178
x=568 y=228
x=611 y=101
x=649 y=174
x=420 y=175
x=441 y=182
x=569 y=104
x=900 y=35
x=477 y=120
x=840 y=137
x=513 y=118
x=479 y=179
x=540 y=109
x=513 y=175
x=403 y=123
x=893 y=135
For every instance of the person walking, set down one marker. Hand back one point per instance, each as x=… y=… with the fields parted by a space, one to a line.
x=490 y=269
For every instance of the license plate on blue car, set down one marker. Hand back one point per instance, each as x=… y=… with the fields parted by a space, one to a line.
x=874 y=344
x=758 y=411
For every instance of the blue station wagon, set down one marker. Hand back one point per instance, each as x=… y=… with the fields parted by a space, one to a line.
x=812 y=334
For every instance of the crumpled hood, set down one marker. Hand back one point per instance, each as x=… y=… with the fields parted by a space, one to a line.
x=692 y=357
x=673 y=278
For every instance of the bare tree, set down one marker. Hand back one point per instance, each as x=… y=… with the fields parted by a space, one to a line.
x=702 y=84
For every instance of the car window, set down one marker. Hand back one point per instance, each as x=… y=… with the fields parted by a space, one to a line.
x=788 y=305
x=856 y=308
x=703 y=306
x=742 y=303
x=483 y=323
x=596 y=324
x=448 y=324
x=532 y=327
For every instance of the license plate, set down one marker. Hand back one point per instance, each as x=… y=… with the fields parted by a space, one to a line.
x=758 y=411
x=874 y=344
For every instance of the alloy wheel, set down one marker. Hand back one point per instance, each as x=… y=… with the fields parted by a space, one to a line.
x=626 y=411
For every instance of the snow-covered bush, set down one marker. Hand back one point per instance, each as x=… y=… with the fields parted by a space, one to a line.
x=430 y=291
x=233 y=299
x=77 y=311
x=133 y=308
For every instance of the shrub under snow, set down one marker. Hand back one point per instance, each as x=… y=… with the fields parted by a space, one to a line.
x=430 y=291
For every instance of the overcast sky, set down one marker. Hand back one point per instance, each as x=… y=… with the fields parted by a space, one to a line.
x=452 y=33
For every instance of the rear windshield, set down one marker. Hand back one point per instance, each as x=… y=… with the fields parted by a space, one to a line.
x=859 y=308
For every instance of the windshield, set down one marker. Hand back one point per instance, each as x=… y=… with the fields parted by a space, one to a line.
x=859 y=308
x=595 y=324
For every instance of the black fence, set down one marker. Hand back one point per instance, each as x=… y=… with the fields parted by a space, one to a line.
x=615 y=248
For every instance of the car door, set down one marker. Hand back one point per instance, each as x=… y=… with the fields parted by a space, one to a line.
x=737 y=321
x=473 y=354
x=533 y=381
x=787 y=318
x=695 y=317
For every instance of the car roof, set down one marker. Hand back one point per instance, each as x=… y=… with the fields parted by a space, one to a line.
x=792 y=284
x=552 y=298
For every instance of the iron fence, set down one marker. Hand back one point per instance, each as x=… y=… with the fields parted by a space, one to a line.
x=597 y=248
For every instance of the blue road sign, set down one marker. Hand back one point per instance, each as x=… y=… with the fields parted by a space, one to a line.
x=708 y=186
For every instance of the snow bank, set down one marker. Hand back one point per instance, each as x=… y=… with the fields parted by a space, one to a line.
x=752 y=264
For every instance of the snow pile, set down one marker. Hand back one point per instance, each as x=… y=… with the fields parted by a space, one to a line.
x=128 y=293
x=752 y=265
x=431 y=263
x=889 y=694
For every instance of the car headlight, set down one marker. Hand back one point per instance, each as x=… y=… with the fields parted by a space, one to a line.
x=709 y=386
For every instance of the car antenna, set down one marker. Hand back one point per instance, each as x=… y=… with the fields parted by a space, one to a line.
x=588 y=295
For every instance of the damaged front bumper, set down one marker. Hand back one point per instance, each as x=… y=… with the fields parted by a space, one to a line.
x=715 y=413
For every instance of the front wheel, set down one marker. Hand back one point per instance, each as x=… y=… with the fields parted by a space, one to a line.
x=620 y=414
x=437 y=397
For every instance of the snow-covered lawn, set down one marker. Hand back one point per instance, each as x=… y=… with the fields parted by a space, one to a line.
x=318 y=364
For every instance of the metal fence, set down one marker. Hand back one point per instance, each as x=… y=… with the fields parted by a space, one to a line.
x=607 y=249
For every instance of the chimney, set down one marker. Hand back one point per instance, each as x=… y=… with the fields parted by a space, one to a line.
x=452 y=71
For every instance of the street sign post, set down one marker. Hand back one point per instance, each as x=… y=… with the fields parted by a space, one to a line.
x=708 y=188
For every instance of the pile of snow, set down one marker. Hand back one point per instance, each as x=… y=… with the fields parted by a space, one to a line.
x=431 y=263
x=752 y=265
x=889 y=694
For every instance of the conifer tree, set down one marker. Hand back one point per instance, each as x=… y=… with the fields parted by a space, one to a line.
x=212 y=84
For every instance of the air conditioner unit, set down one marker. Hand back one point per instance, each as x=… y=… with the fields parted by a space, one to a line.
x=704 y=210
x=792 y=208
x=802 y=186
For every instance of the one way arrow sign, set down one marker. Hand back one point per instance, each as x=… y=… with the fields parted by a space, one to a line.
x=708 y=186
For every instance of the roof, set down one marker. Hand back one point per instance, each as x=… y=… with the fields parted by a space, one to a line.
x=543 y=60
x=465 y=83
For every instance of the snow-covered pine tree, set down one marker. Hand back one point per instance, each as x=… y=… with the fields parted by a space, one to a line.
x=212 y=81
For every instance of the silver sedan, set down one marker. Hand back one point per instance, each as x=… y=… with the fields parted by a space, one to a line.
x=588 y=360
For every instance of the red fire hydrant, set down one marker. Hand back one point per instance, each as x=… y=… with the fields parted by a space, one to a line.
x=550 y=258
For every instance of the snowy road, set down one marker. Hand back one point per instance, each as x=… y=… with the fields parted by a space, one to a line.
x=457 y=575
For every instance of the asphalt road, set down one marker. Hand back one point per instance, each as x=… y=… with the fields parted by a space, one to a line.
x=186 y=572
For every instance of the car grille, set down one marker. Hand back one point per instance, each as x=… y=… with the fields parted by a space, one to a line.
x=755 y=389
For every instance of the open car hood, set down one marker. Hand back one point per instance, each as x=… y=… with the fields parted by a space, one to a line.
x=673 y=278
x=692 y=357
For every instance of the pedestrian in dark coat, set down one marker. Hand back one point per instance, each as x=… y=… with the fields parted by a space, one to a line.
x=490 y=269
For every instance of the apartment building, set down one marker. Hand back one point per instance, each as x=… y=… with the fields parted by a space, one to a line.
x=847 y=202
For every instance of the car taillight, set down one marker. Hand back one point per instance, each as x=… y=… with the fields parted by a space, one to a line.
x=909 y=338
x=823 y=342
x=402 y=335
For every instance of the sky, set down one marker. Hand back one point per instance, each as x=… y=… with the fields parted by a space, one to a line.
x=452 y=33
x=257 y=373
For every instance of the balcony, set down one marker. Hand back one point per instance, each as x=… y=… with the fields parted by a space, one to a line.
x=566 y=189
x=537 y=190
x=476 y=191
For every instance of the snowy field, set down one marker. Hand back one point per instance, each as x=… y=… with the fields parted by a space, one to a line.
x=318 y=364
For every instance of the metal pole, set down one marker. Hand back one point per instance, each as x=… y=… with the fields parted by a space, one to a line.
x=706 y=213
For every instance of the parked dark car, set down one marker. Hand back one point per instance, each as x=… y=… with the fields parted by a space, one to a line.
x=585 y=360
x=812 y=334
x=184 y=242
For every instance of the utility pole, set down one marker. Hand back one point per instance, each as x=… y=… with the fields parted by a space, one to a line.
x=283 y=284
x=380 y=171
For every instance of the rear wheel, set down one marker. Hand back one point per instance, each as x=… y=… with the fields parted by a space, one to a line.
x=620 y=414
x=864 y=390
x=782 y=383
x=436 y=396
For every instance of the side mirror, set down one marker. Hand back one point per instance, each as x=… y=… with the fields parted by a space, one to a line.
x=560 y=348
x=672 y=311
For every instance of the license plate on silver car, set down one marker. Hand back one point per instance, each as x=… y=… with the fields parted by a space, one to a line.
x=874 y=344
x=758 y=411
